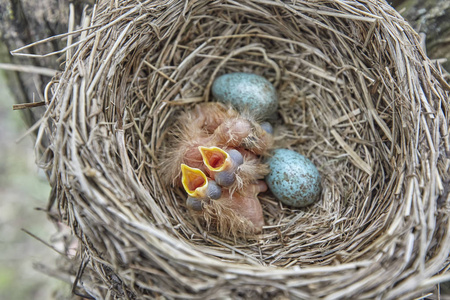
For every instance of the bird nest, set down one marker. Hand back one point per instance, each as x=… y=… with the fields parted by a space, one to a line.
x=357 y=96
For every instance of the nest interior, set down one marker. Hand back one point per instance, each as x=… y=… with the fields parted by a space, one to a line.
x=357 y=95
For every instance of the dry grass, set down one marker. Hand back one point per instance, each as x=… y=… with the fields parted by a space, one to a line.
x=358 y=96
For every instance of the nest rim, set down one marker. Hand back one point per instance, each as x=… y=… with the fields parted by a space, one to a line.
x=100 y=121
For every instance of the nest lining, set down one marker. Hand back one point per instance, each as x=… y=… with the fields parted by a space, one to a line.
x=357 y=96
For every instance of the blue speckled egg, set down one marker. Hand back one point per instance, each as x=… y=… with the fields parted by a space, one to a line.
x=293 y=179
x=246 y=91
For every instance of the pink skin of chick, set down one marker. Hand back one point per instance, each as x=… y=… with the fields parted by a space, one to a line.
x=246 y=203
x=229 y=132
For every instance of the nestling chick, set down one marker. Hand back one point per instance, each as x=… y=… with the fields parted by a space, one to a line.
x=233 y=168
x=214 y=156
x=197 y=185
x=238 y=214
x=222 y=165
x=212 y=124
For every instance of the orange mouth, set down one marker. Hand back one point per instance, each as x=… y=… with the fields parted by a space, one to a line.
x=194 y=181
x=215 y=158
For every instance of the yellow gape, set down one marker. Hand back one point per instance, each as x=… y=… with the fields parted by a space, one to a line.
x=194 y=181
x=216 y=159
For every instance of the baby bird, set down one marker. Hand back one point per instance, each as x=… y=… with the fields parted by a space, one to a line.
x=197 y=185
x=213 y=124
x=214 y=156
x=222 y=165
x=236 y=213
x=232 y=168
x=239 y=214
x=233 y=129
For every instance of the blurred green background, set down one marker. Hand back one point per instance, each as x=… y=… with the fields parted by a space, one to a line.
x=23 y=189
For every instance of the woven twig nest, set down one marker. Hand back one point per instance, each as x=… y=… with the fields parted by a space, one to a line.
x=358 y=97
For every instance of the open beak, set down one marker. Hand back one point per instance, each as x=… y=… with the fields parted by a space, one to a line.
x=194 y=181
x=216 y=159
x=197 y=185
x=223 y=164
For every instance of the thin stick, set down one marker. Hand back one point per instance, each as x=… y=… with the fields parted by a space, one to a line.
x=28 y=69
x=28 y=105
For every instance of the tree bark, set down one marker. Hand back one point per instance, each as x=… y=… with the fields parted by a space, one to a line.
x=431 y=17
x=23 y=22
